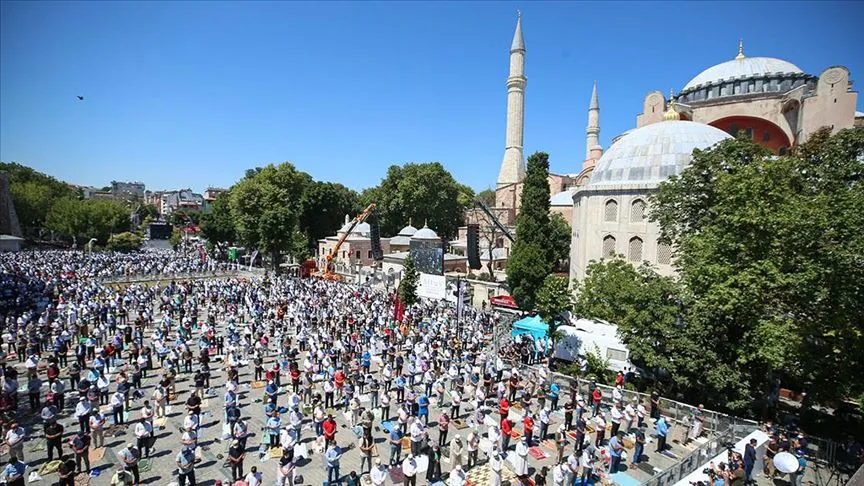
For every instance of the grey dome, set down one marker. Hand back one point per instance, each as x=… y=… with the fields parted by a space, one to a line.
x=747 y=67
x=653 y=153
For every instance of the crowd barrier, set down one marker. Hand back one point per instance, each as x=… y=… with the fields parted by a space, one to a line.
x=151 y=277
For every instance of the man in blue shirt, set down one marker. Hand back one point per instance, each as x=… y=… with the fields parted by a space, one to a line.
x=662 y=430
x=395 y=445
x=554 y=391
x=423 y=409
x=333 y=455
x=615 y=449
x=13 y=473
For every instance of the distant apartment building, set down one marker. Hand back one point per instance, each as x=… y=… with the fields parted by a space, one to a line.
x=184 y=199
x=127 y=190
x=210 y=196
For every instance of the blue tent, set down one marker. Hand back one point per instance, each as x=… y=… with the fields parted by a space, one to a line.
x=534 y=326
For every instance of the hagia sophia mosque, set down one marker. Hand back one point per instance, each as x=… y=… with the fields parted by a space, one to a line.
x=769 y=100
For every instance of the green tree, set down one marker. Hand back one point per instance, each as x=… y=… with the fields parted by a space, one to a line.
x=124 y=242
x=176 y=238
x=33 y=194
x=324 y=205
x=554 y=299
x=266 y=209
x=559 y=239
x=85 y=219
x=408 y=284
x=531 y=258
x=769 y=251
x=420 y=193
x=217 y=225
x=646 y=309
x=487 y=196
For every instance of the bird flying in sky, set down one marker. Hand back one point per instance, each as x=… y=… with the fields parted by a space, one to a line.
x=80 y=98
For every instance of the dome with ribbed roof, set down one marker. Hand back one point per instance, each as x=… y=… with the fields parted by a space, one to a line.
x=425 y=233
x=408 y=231
x=744 y=67
x=653 y=153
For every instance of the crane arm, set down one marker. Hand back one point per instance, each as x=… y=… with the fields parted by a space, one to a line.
x=354 y=222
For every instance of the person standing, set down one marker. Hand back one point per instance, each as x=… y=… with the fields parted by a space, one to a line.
x=496 y=463
x=130 y=455
x=395 y=445
x=13 y=473
x=409 y=469
x=15 y=437
x=433 y=471
x=66 y=471
x=639 y=447
x=117 y=401
x=122 y=477
x=81 y=446
x=615 y=450
x=332 y=456
x=520 y=462
x=143 y=434
x=367 y=445
x=749 y=460
x=186 y=467
x=662 y=431
x=54 y=439
x=378 y=475
x=236 y=455
x=97 y=429
x=443 y=426
x=82 y=412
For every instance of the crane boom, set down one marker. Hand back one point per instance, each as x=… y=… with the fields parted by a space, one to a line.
x=495 y=221
x=354 y=222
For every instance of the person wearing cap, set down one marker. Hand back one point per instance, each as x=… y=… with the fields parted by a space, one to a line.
x=409 y=469
x=143 y=435
x=456 y=449
x=122 y=477
x=82 y=412
x=457 y=476
x=236 y=454
x=185 y=461
x=520 y=462
x=378 y=474
x=496 y=463
x=80 y=443
x=130 y=455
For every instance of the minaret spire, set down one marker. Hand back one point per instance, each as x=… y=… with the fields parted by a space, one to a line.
x=592 y=132
x=740 y=50
x=513 y=165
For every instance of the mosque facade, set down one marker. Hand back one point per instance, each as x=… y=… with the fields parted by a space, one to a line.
x=771 y=101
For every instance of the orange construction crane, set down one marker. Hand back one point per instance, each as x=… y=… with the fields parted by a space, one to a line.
x=328 y=273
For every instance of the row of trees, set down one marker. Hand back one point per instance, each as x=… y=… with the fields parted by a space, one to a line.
x=770 y=275
x=44 y=203
x=278 y=209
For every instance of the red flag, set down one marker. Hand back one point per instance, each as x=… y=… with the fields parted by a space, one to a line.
x=398 y=309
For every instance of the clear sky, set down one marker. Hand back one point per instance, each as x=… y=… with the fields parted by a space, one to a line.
x=192 y=94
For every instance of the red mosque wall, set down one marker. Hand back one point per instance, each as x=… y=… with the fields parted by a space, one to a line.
x=761 y=131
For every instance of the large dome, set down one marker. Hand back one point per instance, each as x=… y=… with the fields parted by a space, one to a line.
x=745 y=67
x=653 y=153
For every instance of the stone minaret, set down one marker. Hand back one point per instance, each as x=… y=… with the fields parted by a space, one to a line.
x=593 y=150
x=513 y=166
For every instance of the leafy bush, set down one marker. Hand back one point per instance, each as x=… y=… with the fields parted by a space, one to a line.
x=125 y=242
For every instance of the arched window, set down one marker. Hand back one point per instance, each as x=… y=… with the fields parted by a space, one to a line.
x=637 y=211
x=635 y=249
x=664 y=253
x=611 y=211
x=608 y=247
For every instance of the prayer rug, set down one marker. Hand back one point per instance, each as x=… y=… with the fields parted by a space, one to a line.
x=97 y=454
x=275 y=453
x=537 y=453
x=160 y=422
x=144 y=465
x=49 y=467
x=38 y=446
x=387 y=426
x=459 y=424
x=515 y=434
x=550 y=444
x=406 y=444
x=259 y=384
x=82 y=479
x=396 y=475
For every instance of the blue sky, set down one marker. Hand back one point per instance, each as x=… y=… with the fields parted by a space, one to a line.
x=192 y=94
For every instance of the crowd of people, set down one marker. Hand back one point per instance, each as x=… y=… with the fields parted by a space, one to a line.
x=288 y=363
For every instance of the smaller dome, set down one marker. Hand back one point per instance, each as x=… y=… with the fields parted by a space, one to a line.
x=407 y=231
x=425 y=233
x=360 y=229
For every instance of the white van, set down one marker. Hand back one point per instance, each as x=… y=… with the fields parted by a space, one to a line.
x=583 y=335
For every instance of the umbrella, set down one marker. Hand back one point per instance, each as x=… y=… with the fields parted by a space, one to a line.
x=786 y=462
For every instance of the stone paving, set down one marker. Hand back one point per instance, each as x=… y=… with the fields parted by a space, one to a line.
x=312 y=469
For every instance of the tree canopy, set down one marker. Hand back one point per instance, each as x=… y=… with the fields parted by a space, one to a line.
x=217 y=224
x=559 y=238
x=420 y=193
x=532 y=257
x=266 y=209
x=408 y=284
x=33 y=193
x=85 y=219
x=124 y=242
x=324 y=205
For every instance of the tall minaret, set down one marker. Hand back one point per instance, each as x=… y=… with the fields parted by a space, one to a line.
x=593 y=150
x=513 y=165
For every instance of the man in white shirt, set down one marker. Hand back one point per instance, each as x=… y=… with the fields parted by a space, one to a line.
x=457 y=476
x=409 y=469
x=378 y=474
x=254 y=477
x=15 y=439
x=82 y=411
x=97 y=429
